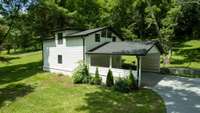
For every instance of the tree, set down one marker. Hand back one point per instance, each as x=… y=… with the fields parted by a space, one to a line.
x=10 y=10
x=109 y=79
x=97 y=78
x=169 y=23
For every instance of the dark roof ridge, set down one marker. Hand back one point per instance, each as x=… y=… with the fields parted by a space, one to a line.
x=98 y=46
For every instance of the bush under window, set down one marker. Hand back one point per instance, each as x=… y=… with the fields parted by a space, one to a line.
x=81 y=74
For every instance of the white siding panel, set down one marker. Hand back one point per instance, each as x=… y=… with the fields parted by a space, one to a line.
x=151 y=62
x=71 y=51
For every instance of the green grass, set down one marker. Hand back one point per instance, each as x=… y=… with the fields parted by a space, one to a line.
x=25 y=88
x=186 y=55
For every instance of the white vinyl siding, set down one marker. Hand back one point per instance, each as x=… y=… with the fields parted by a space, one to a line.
x=71 y=51
x=151 y=62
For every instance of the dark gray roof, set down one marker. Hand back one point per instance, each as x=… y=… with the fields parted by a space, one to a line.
x=139 y=48
x=67 y=28
x=86 y=32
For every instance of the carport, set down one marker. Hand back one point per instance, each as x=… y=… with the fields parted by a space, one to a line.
x=108 y=56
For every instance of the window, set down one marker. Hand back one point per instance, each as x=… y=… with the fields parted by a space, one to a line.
x=109 y=34
x=100 y=60
x=97 y=37
x=103 y=33
x=59 y=59
x=114 y=39
x=60 y=38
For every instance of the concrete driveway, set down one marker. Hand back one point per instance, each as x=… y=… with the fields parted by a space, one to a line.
x=181 y=95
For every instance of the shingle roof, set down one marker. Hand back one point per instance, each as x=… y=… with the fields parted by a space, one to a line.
x=139 y=48
x=67 y=28
x=86 y=32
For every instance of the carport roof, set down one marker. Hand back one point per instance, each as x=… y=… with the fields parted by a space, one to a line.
x=138 y=48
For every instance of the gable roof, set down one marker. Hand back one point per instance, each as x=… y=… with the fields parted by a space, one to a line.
x=67 y=28
x=91 y=31
x=138 y=48
x=86 y=32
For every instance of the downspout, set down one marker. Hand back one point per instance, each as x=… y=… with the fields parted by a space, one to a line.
x=42 y=54
x=84 y=49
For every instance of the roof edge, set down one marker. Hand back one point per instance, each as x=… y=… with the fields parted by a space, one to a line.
x=95 y=48
x=158 y=45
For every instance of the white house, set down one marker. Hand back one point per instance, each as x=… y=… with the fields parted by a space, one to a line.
x=100 y=47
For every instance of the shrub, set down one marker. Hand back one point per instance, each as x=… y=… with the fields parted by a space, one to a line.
x=81 y=74
x=97 y=78
x=92 y=80
x=131 y=80
x=122 y=85
x=109 y=79
x=86 y=75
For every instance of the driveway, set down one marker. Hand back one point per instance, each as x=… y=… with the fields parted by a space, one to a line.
x=181 y=95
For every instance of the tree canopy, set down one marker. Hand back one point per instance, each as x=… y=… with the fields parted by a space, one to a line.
x=23 y=23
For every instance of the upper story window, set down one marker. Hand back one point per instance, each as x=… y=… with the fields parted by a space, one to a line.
x=109 y=34
x=59 y=59
x=97 y=37
x=60 y=38
x=114 y=39
x=103 y=33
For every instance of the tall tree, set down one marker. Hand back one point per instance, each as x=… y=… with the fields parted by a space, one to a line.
x=10 y=9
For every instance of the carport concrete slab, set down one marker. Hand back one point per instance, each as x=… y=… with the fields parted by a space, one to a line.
x=181 y=95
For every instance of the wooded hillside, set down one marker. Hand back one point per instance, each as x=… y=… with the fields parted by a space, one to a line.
x=24 y=23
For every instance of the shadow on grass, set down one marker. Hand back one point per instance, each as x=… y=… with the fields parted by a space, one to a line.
x=22 y=51
x=19 y=72
x=7 y=59
x=13 y=91
x=108 y=101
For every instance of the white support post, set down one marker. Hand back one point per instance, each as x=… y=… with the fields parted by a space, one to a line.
x=110 y=61
x=139 y=66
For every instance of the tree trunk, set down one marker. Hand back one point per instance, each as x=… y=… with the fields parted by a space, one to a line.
x=8 y=51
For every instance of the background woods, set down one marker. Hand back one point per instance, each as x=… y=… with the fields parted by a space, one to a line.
x=24 y=23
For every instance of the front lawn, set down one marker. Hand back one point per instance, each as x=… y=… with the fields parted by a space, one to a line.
x=25 y=88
